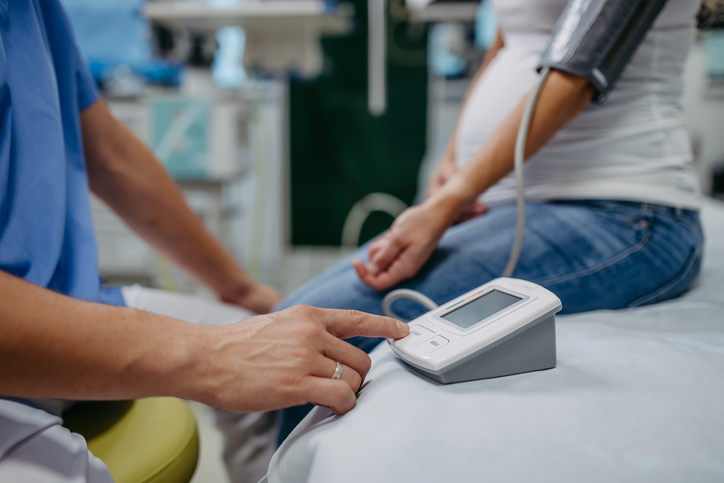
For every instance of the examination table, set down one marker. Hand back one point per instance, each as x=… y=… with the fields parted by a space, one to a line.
x=638 y=395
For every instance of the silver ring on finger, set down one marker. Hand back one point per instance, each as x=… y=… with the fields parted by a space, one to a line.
x=337 y=371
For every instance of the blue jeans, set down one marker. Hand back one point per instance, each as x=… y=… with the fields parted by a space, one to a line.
x=592 y=254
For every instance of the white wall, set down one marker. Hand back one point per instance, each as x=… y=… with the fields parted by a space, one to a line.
x=704 y=110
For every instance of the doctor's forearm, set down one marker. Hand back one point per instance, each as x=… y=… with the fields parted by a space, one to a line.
x=127 y=176
x=562 y=98
x=53 y=346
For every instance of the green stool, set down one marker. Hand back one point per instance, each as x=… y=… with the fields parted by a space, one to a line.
x=142 y=441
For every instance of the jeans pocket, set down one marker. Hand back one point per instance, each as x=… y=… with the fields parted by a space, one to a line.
x=676 y=286
x=632 y=221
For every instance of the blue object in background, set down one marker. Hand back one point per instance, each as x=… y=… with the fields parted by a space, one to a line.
x=111 y=31
x=227 y=70
x=113 y=34
x=444 y=62
x=486 y=25
x=714 y=48
x=181 y=135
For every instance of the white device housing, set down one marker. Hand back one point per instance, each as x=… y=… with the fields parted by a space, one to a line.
x=506 y=326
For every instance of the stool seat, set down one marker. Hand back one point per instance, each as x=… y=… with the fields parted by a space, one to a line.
x=140 y=441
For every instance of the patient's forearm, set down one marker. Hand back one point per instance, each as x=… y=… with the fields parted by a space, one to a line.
x=563 y=96
x=53 y=346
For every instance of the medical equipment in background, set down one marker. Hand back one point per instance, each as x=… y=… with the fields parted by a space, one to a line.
x=710 y=15
x=376 y=57
x=282 y=36
x=593 y=39
x=362 y=210
x=447 y=11
x=504 y=327
x=340 y=153
x=332 y=134
x=419 y=11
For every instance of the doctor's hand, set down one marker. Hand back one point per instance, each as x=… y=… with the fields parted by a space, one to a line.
x=400 y=252
x=287 y=358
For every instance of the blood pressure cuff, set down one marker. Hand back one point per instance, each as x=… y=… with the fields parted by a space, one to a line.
x=596 y=39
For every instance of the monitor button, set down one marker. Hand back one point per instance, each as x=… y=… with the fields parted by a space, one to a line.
x=427 y=347
x=418 y=333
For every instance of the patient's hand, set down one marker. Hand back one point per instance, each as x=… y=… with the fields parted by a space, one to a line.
x=399 y=253
x=444 y=172
x=286 y=359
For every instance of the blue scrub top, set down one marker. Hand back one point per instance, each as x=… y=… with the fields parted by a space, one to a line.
x=46 y=231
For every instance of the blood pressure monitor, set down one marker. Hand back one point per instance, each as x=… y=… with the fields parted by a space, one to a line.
x=504 y=327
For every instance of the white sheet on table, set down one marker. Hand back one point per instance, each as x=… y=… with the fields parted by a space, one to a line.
x=637 y=396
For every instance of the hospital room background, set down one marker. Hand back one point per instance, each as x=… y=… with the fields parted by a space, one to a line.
x=299 y=129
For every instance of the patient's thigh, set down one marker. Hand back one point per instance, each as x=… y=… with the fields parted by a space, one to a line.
x=468 y=255
x=590 y=254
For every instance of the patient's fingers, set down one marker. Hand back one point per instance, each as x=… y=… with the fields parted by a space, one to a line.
x=383 y=280
x=334 y=394
x=386 y=254
x=367 y=277
x=361 y=269
x=376 y=245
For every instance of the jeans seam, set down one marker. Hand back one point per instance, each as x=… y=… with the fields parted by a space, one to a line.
x=669 y=285
x=611 y=261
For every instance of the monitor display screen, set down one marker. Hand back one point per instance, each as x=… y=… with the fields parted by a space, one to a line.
x=481 y=308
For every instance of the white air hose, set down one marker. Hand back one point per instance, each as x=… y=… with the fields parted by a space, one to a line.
x=519 y=160
x=405 y=293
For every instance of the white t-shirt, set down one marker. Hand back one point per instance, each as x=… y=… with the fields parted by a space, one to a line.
x=633 y=147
